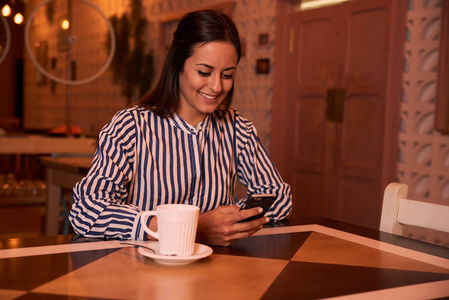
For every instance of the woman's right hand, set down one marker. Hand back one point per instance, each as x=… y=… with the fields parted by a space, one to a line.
x=221 y=227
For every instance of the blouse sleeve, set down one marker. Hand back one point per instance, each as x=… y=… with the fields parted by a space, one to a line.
x=100 y=208
x=257 y=171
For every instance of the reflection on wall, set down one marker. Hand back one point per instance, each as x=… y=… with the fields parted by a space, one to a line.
x=93 y=104
x=424 y=152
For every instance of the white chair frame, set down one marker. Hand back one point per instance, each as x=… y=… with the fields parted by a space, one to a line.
x=397 y=210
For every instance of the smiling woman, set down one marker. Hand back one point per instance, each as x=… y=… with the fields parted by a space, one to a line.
x=182 y=144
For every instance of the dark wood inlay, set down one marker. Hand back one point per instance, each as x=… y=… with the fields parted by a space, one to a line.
x=29 y=272
x=302 y=280
x=279 y=246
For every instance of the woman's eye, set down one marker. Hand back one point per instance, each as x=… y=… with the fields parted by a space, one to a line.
x=228 y=76
x=203 y=73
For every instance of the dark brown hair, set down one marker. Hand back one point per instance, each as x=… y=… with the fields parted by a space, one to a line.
x=194 y=29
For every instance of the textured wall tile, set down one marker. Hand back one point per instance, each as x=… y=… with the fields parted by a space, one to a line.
x=423 y=155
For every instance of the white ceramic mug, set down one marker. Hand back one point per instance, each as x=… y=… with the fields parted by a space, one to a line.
x=177 y=224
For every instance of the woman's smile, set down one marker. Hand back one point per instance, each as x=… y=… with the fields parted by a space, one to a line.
x=208 y=97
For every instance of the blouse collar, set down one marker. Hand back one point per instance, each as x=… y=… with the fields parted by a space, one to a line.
x=183 y=125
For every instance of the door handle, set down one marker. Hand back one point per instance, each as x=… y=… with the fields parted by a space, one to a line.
x=335 y=102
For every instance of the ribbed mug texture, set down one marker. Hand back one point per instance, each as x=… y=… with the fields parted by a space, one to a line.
x=177 y=237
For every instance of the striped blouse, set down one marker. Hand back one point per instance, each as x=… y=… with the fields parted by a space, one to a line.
x=143 y=160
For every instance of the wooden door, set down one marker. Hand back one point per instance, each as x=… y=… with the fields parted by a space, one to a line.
x=340 y=155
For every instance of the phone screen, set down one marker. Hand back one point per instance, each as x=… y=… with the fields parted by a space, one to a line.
x=262 y=200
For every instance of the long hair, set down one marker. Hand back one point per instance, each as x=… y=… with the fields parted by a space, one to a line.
x=195 y=29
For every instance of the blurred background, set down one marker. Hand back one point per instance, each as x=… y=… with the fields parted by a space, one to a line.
x=67 y=66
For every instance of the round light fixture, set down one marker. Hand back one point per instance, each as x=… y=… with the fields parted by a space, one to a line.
x=66 y=81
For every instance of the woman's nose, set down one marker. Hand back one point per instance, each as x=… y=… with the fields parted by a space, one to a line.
x=215 y=84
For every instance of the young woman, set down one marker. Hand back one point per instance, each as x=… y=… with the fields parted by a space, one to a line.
x=182 y=143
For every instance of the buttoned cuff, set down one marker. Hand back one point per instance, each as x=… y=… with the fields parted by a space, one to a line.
x=138 y=232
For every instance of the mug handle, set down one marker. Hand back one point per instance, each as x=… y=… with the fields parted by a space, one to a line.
x=144 y=225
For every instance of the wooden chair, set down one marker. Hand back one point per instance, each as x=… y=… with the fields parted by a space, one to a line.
x=397 y=210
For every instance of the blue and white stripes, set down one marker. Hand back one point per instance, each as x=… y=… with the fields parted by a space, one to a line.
x=143 y=160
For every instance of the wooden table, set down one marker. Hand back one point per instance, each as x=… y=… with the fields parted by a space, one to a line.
x=39 y=144
x=308 y=259
x=61 y=172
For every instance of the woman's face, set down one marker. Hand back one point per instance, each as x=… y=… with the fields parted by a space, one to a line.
x=206 y=79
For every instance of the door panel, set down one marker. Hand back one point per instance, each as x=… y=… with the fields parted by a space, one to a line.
x=308 y=185
x=310 y=127
x=367 y=41
x=359 y=206
x=362 y=138
x=316 y=60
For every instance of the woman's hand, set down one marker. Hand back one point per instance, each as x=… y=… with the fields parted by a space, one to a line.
x=220 y=226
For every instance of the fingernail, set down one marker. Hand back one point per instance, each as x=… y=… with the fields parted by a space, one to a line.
x=267 y=219
x=260 y=209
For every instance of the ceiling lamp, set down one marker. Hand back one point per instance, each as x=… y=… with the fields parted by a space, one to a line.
x=14 y=8
x=18 y=18
x=65 y=24
x=6 y=10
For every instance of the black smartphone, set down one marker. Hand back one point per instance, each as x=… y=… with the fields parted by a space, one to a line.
x=262 y=200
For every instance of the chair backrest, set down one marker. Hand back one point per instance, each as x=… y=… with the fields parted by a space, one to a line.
x=397 y=210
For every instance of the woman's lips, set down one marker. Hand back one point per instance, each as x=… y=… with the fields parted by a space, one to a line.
x=207 y=96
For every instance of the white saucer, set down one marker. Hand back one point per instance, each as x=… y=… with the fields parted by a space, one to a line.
x=200 y=251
